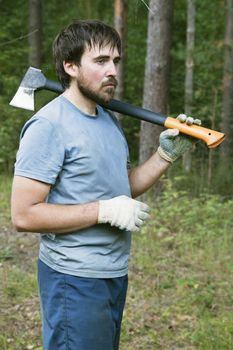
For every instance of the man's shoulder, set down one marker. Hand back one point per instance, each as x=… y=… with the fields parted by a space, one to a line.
x=45 y=117
x=50 y=109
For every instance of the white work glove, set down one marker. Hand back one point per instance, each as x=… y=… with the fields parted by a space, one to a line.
x=123 y=212
x=172 y=144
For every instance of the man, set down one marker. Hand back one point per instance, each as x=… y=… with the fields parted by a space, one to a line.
x=74 y=185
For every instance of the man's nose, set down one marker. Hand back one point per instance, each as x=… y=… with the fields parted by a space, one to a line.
x=112 y=69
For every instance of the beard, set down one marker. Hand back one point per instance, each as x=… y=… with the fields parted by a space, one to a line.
x=101 y=96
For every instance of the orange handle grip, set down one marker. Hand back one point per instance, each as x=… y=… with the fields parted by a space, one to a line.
x=211 y=137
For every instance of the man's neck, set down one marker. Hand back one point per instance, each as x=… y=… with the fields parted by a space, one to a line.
x=86 y=105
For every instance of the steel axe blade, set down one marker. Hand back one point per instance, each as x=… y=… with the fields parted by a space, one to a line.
x=32 y=81
x=24 y=97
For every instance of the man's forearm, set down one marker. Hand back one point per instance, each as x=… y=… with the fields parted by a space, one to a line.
x=147 y=174
x=31 y=213
x=55 y=218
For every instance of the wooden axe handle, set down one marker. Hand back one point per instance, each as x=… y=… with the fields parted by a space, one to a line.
x=212 y=138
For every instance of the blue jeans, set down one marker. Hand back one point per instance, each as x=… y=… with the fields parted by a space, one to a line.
x=80 y=313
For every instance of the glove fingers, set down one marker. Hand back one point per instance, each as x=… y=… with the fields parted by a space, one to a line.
x=169 y=134
x=183 y=118
x=138 y=222
x=144 y=207
x=123 y=212
x=134 y=228
x=197 y=121
x=131 y=226
x=143 y=216
x=189 y=121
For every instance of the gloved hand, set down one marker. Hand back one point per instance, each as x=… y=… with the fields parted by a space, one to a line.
x=123 y=212
x=172 y=144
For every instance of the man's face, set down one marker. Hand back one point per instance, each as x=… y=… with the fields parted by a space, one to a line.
x=97 y=73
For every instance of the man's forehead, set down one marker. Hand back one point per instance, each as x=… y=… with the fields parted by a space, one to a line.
x=104 y=50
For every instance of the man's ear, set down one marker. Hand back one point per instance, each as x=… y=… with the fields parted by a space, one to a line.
x=70 y=68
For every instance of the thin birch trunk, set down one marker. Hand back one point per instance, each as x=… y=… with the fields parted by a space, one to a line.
x=227 y=121
x=190 y=39
x=120 y=23
x=210 y=157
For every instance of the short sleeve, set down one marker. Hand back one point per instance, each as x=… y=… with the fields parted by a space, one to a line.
x=41 y=151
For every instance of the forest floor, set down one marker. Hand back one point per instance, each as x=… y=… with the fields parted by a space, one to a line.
x=180 y=280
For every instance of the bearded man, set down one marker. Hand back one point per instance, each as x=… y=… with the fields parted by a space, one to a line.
x=74 y=185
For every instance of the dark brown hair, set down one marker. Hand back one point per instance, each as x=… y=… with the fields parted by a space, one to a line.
x=71 y=42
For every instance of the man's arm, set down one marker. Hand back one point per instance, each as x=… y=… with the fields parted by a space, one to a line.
x=144 y=176
x=31 y=213
x=172 y=146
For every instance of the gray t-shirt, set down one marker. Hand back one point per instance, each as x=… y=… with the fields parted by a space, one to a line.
x=85 y=159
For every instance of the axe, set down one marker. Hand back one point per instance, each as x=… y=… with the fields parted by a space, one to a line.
x=35 y=80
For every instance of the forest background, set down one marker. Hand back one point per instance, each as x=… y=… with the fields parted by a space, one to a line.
x=181 y=271
x=208 y=169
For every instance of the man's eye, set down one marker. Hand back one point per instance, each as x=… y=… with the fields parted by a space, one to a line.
x=117 y=62
x=102 y=61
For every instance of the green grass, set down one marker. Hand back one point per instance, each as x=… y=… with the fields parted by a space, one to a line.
x=5 y=187
x=180 y=280
x=180 y=295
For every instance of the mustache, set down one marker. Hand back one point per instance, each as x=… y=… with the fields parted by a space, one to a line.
x=110 y=81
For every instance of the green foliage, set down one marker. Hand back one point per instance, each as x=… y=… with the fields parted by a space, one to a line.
x=205 y=177
x=13 y=60
x=14 y=282
x=5 y=188
x=209 y=215
x=208 y=60
x=207 y=99
x=135 y=67
x=181 y=275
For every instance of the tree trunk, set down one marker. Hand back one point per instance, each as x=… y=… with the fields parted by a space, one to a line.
x=120 y=24
x=210 y=157
x=156 y=84
x=190 y=37
x=227 y=122
x=35 y=29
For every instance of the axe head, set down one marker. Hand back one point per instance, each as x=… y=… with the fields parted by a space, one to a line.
x=33 y=80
